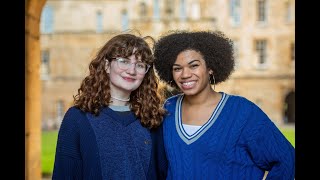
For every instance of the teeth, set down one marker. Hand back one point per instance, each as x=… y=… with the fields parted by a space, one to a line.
x=188 y=83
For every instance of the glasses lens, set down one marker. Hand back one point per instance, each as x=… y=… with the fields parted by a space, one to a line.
x=141 y=67
x=125 y=64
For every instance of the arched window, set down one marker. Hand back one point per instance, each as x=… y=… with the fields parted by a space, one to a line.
x=46 y=21
x=45 y=65
x=289 y=108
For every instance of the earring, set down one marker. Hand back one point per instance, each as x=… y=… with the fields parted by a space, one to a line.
x=212 y=80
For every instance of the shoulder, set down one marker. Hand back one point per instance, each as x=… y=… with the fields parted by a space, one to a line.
x=251 y=112
x=74 y=110
x=248 y=109
x=72 y=116
x=238 y=98
x=241 y=102
x=172 y=99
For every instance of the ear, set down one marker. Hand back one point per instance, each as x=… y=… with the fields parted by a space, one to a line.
x=107 y=66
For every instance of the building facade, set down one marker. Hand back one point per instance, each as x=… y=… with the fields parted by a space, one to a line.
x=263 y=32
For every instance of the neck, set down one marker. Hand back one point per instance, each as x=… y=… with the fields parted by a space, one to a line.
x=203 y=98
x=120 y=99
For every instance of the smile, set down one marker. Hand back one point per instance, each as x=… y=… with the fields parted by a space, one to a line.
x=188 y=85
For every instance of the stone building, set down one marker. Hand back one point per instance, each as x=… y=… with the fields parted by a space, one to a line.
x=263 y=32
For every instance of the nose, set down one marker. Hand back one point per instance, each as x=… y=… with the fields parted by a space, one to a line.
x=186 y=73
x=132 y=69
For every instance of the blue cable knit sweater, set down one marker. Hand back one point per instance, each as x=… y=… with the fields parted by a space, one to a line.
x=239 y=141
x=109 y=146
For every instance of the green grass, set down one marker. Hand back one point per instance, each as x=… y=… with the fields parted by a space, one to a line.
x=289 y=133
x=49 y=141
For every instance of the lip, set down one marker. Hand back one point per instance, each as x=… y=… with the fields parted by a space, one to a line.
x=188 y=84
x=129 y=79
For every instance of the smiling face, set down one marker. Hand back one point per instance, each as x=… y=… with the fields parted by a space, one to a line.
x=190 y=73
x=124 y=81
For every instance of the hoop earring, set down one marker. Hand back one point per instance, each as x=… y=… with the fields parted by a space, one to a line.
x=212 y=80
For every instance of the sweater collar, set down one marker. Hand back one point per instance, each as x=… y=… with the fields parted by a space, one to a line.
x=123 y=117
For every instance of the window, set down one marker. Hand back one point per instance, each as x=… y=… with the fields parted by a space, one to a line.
x=236 y=52
x=124 y=20
x=183 y=9
x=46 y=22
x=143 y=9
x=99 y=20
x=195 y=10
x=262 y=11
x=235 y=11
x=156 y=9
x=60 y=112
x=289 y=13
x=44 y=67
x=261 y=49
x=169 y=7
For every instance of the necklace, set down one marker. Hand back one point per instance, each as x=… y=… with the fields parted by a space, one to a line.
x=124 y=100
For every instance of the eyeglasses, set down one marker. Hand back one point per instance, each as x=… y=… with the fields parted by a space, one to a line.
x=124 y=64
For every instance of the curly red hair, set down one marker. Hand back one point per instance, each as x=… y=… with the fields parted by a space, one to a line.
x=146 y=101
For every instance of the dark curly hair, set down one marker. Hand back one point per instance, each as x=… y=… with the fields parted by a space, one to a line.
x=214 y=46
x=94 y=93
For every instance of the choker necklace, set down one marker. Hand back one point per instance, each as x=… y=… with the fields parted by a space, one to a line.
x=124 y=100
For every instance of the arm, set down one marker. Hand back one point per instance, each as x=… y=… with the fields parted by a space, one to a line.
x=159 y=163
x=269 y=148
x=68 y=161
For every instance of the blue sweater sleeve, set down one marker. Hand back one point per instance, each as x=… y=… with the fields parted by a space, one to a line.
x=269 y=148
x=68 y=162
x=158 y=162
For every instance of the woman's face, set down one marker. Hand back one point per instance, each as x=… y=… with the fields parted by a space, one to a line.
x=124 y=80
x=190 y=72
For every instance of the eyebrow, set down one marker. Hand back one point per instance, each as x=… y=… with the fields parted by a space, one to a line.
x=188 y=62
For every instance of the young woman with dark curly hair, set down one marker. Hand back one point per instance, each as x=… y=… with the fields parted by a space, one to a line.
x=210 y=134
x=111 y=131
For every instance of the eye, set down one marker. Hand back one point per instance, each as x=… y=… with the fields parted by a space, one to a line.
x=194 y=66
x=123 y=60
x=141 y=65
x=176 y=69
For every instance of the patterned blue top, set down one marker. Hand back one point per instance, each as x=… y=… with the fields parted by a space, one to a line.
x=112 y=145
x=238 y=141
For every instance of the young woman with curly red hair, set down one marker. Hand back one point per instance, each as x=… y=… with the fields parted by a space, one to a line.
x=111 y=130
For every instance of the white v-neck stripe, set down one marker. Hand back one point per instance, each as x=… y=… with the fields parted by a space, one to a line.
x=188 y=139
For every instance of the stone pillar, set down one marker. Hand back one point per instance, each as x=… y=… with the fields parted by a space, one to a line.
x=33 y=10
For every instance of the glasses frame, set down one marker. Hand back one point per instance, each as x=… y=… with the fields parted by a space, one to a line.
x=118 y=58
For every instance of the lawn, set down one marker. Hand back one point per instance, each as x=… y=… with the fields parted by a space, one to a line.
x=289 y=133
x=49 y=142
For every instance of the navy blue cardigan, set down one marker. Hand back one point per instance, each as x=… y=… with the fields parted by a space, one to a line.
x=110 y=145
